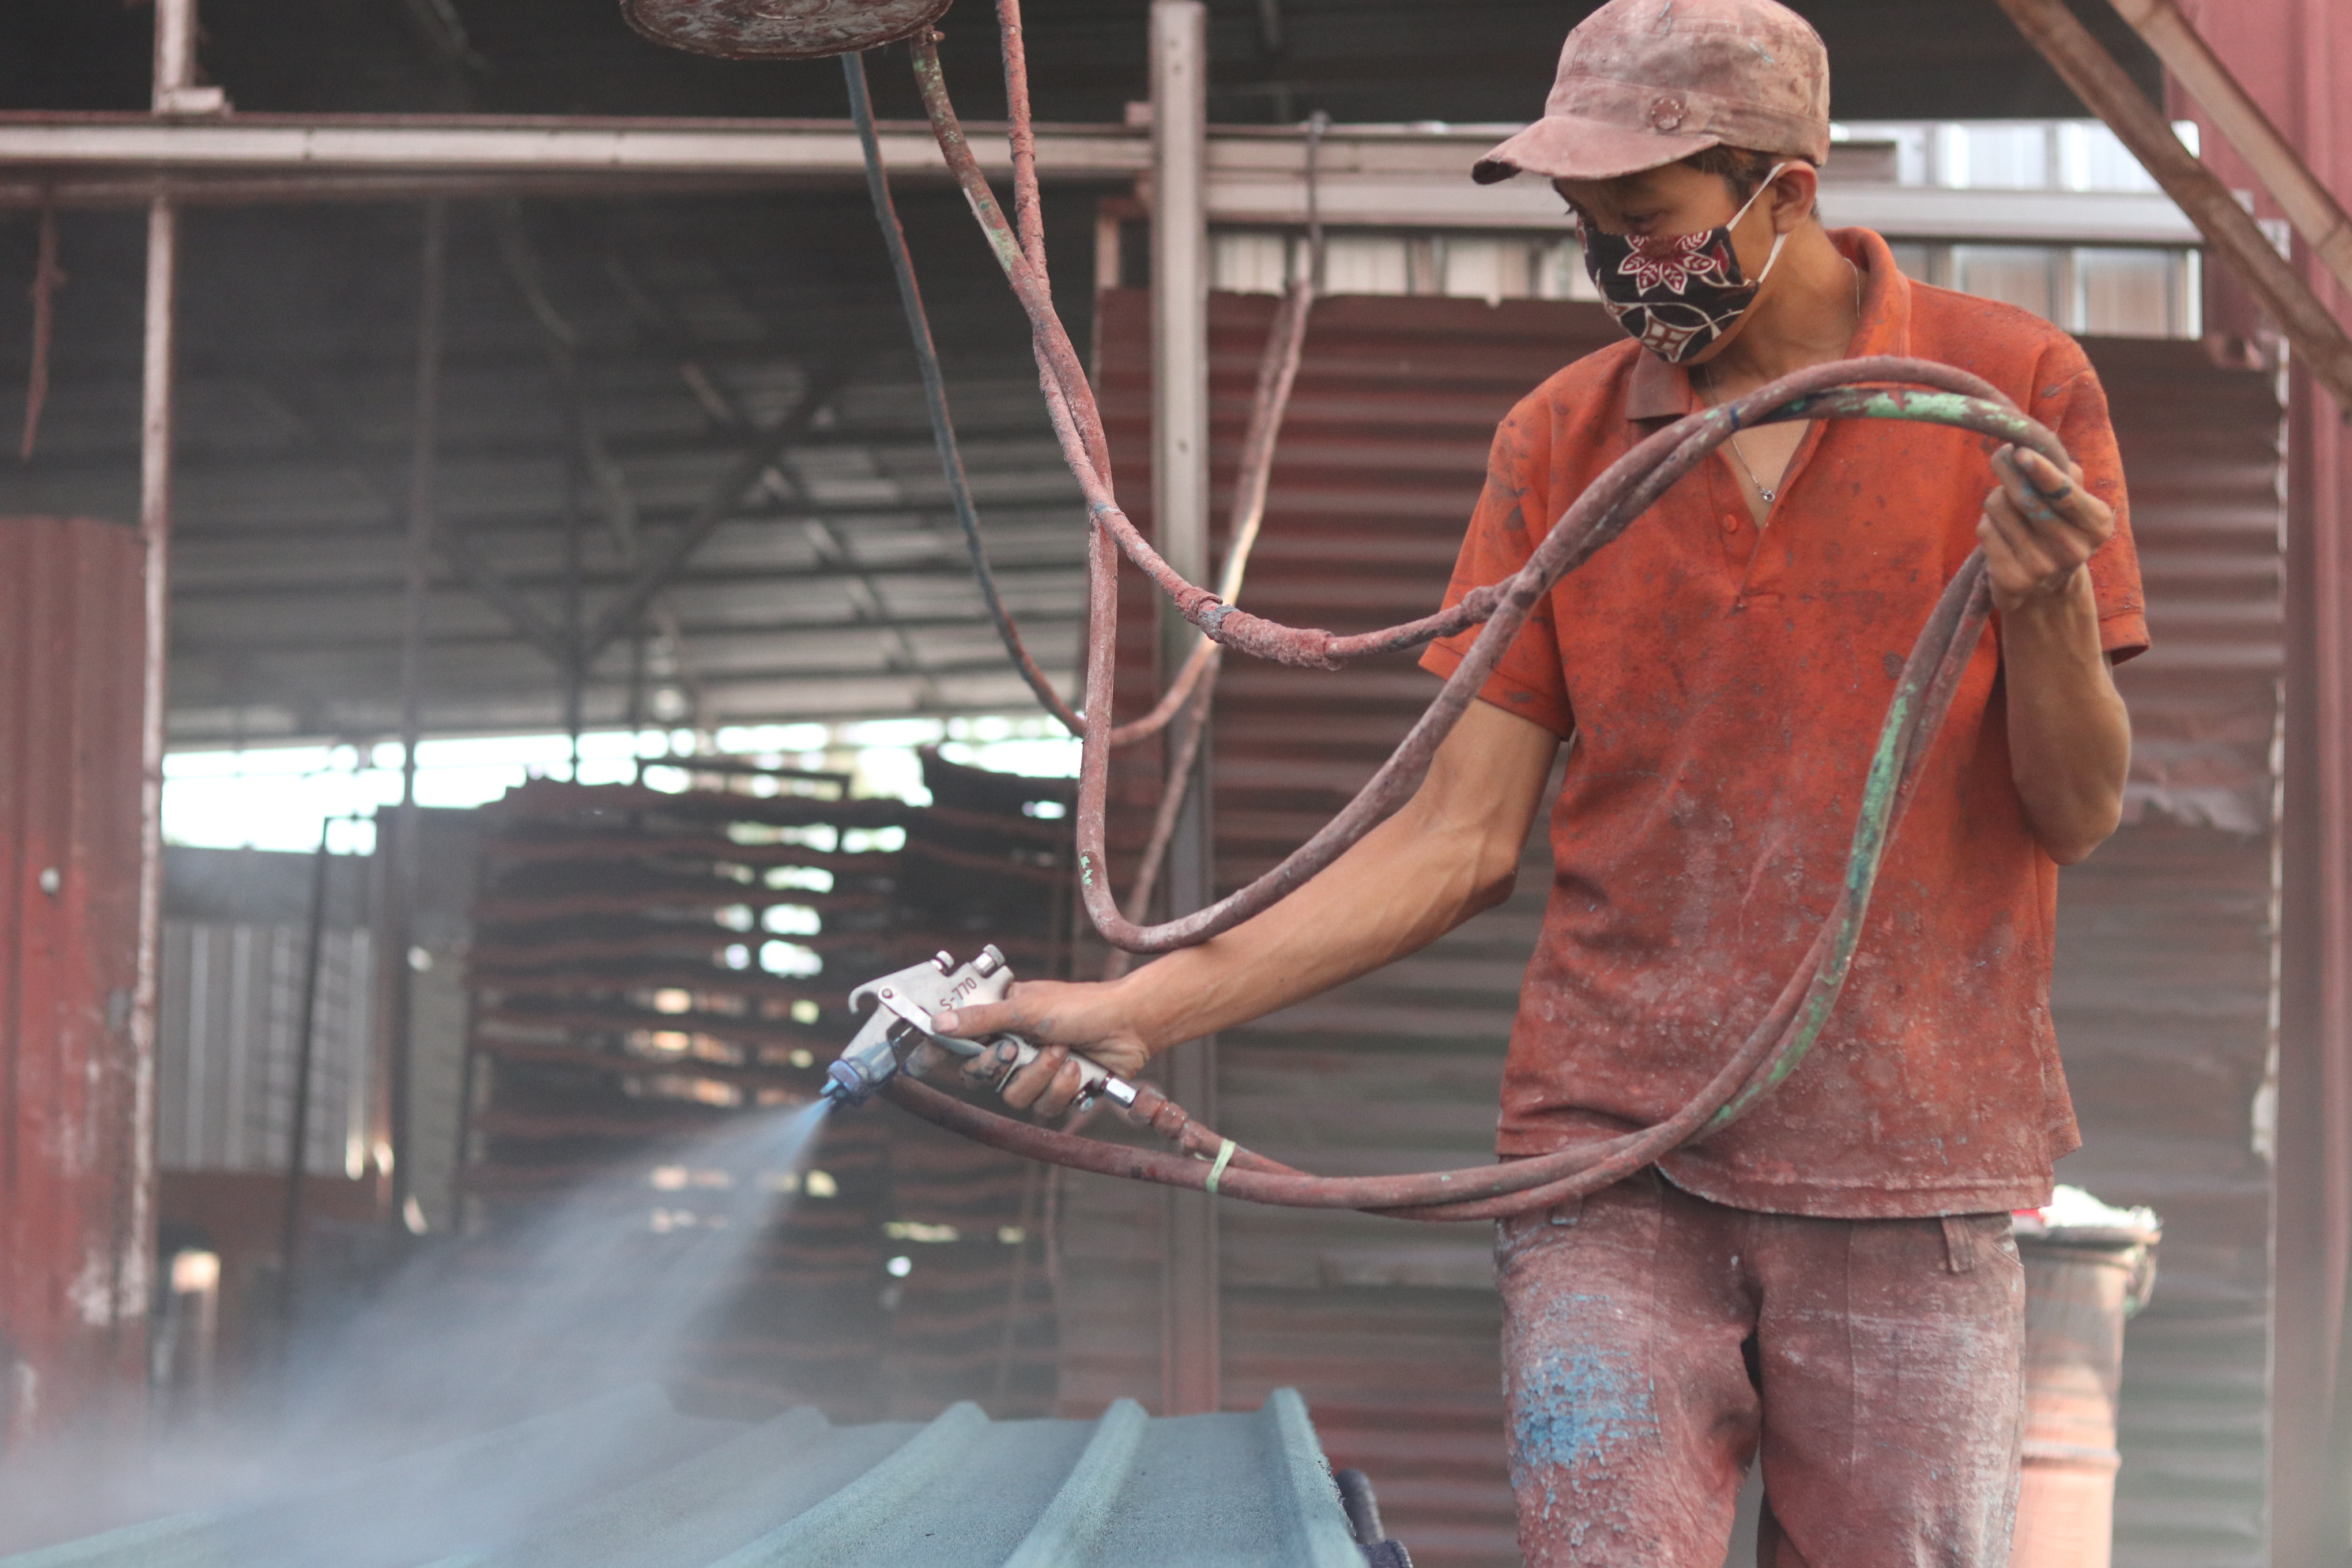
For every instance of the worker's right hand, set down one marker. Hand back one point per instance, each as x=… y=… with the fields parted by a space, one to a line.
x=1056 y=1017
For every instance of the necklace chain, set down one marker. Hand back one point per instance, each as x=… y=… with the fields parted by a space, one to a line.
x=1770 y=494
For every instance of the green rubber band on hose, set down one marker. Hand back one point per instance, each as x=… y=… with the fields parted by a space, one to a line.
x=1217 y=1170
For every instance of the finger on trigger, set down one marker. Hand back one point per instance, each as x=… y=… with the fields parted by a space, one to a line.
x=1023 y=1088
x=1037 y=1079
x=1064 y=1091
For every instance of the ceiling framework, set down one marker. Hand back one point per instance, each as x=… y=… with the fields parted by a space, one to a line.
x=1272 y=61
x=681 y=435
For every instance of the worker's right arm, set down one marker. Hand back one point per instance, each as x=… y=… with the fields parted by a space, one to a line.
x=1451 y=851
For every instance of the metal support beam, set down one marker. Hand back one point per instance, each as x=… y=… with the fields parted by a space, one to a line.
x=408 y=841
x=374 y=583
x=2309 y=205
x=716 y=507
x=1380 y=176
x=828 y=673
x=303 y=407
x=592 y=459
x=175 y=89
x=306 y=1050
x=501 y=595
x=175 y=34
x=155 y=532
x=1192 y=1353
x=2083 y=62
x=351 y=147
x=271 y=641
x=1271 y=34
x=872 y=609
x=1043 y=509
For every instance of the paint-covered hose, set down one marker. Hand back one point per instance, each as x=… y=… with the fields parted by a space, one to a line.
x=1276 y=378
x=935 y=396
x=1863 y=388
x=1847 y=389
x=1771 y=1051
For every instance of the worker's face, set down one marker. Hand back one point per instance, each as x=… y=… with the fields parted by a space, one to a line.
x=1677 y=200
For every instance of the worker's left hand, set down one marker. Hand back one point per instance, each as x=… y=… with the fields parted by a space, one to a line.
x=2040 y=527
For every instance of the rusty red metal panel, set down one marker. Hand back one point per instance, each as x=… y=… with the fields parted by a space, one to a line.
x=2163 y=987
x=75 y=1175
x=2163 y=991
x=2295 y=59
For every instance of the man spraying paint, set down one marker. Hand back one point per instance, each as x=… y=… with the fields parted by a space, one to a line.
x=1828 y=1283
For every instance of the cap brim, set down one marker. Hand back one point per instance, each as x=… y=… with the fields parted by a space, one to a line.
x=1564 y=147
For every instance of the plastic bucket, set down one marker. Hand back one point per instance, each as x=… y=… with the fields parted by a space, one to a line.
x=2081 y=1283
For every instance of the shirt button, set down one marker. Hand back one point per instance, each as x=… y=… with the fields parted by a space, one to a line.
x=1730 y=523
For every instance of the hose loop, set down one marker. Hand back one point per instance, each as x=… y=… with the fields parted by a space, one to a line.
x=1752 y=1064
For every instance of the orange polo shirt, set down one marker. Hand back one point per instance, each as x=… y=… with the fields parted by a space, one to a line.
x=1723 y=691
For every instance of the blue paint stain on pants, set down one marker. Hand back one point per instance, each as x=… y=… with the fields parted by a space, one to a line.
x=1576 y=1405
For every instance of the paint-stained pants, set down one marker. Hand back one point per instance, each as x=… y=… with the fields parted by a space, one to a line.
x=1654 y=1342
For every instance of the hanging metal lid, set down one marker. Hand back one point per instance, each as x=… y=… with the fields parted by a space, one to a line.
x=780 y=29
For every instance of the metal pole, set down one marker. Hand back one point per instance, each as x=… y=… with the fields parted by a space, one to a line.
x=1191 y=1352
x=175 y=30
x=175 y=56
x=155 y=533
x=289 y=1234
x=408 y=838
x=575 y=671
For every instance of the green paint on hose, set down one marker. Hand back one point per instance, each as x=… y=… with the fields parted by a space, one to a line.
x=1860 y=876
x=1923 y=407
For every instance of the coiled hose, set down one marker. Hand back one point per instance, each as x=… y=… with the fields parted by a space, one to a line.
x=1871 y=388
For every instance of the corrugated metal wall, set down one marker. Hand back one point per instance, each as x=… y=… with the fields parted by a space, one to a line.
x=76 y=1178
x=2164 y=982
x=2163 y=995
x=229 y=1025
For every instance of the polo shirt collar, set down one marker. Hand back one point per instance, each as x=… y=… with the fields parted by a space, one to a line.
x=1657 y=390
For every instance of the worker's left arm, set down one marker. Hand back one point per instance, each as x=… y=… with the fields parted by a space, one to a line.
x=2069 y=737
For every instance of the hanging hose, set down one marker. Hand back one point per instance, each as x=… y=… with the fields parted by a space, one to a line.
x=1195 y=684
x=1832 y=391
x=1873 y=388
x=1276 y=375
x=1752 y=1067
x=1188 y=697
x=935 y=396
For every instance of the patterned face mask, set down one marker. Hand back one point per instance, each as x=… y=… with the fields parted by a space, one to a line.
x=1675 y=293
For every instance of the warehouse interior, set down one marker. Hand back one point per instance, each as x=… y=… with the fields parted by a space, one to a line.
x=595 y=505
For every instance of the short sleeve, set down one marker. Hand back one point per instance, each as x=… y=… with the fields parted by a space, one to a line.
x=2069 y=399
x=1512 y=517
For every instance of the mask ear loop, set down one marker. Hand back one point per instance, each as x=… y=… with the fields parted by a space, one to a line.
x=1777 y=239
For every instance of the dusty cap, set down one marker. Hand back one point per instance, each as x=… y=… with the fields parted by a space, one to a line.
x=1644 y=82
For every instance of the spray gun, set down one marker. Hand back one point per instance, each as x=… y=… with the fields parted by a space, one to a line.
x=904 y=1005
